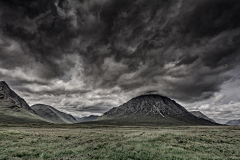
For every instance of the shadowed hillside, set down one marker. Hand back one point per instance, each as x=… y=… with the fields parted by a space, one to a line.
x=52 y=114
x=200 y=115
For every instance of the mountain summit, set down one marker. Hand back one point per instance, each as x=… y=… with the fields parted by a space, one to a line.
x=152 y=108
x=149 y=105
x=9 y=97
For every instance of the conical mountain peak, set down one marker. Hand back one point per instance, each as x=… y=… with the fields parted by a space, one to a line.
x=4 y=86
x=150 y=104
x=151 y=109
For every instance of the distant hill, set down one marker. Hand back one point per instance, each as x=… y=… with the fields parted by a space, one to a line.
x=235 y=122
x=87 y=119
x=201 y=115
x=53 y=115
x=151 y=109
x=14 y=109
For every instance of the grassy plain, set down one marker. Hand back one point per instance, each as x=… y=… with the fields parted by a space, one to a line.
x=84 y=141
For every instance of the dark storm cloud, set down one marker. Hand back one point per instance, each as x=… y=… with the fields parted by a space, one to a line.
x=54 y=91
x=22 y=82
x=211 y=17
x=41 y=33
x=187 y=60
x=182 y=49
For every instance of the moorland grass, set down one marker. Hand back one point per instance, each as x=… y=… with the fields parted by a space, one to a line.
x=39 y=141
x=17 y=115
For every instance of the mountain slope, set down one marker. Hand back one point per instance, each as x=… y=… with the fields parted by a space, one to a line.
x=14 y=109
x=235 y=122
x=87 y=119
x=151 y=109
x=9 y=97
x=200 y=115
x=52 y=114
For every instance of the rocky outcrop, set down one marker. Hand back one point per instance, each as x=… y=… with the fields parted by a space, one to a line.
x=52 y=114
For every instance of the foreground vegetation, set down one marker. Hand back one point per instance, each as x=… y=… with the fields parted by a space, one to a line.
x=44 y=141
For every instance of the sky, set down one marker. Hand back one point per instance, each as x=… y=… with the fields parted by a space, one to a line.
x=86 y=56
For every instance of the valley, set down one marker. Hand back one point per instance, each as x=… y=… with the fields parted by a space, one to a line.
x=119 y=79
x=146 y=127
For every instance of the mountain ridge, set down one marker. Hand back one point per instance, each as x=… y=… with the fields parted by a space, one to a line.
x=52 y=114
x=235 y=122
x=8 y=94
x=201 y=115
x=14 y=109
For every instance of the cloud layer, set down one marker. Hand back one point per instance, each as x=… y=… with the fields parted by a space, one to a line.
x=71 y=50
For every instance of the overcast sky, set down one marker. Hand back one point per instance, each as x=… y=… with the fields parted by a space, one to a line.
x=87 y=56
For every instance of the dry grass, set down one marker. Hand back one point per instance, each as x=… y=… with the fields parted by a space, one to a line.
x=115 y=142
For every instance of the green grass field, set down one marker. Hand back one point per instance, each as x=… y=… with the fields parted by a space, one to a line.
x=82 y=141
x=17 y=115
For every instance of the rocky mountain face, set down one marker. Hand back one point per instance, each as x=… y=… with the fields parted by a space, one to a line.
x=11 y=99
x=235 y=122
x=149 y=105
x=152 y=108
x=53 y=115
x=14 y=109
x=200 y=115
x=87 y=119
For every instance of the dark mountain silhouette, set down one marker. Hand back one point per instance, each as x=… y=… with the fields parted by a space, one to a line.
x=235 y=122
x=14 y=109
x=151 y=109
x=53 y=115
x=87 y=119
x=201 y=115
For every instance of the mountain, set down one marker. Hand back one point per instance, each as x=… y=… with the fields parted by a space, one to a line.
x=235 y=122
x=53 y=115
x=14 y=109
x=151 y=109
x=200 y=115
x=9 y=97
x=87 y=119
